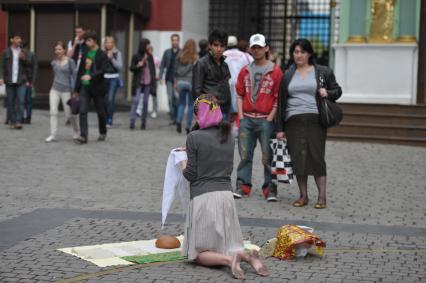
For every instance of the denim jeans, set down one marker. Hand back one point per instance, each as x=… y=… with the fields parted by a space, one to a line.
x=28 y=102
x=173 y=103
x=15 y=102
x=185 y=99
x=250 y=131
x=113 y=85
x=99 y=100
x=142 y=92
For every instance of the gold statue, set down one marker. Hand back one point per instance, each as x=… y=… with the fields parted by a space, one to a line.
x=382 y=12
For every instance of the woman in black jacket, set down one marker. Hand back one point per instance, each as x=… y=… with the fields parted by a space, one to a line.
x=302 y=85
x=144 y=81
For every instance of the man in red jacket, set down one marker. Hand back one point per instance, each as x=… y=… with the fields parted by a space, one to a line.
x=257 y=89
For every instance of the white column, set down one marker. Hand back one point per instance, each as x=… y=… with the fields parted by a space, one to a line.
x=103 y=21
x=130 y=54
x=32 y=29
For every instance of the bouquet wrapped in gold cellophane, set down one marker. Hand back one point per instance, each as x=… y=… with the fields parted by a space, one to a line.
x=290 y=237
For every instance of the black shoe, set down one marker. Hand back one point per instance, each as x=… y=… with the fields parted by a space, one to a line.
x=102 y=137
x=179 y=128
x=132 y=126
x=187 y=131
x=68 y=122
x=272 y=197
x=27 y=121
x=143 y=126
x=80 y=140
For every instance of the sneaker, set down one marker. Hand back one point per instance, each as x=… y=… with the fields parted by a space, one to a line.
x=80 y=140
x=154 y=114
x=272 y=197
x=75 y=136
x=242 y=190
x=27 y=121
x=50 y=139
x=109 y=126
x=101 y=137
x=18 y=126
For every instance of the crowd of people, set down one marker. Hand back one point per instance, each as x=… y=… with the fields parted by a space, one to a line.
x=232 y=87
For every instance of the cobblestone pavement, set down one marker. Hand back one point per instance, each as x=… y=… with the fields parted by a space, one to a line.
x=377 y=186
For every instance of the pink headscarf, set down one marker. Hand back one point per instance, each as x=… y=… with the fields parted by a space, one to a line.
x=207 y=112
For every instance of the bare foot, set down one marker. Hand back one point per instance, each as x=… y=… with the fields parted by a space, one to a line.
x=258 y=266
x=236 y=270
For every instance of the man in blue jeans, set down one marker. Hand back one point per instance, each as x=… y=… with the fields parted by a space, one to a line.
x=257 y=93
x=167 y=63
x=16 y=74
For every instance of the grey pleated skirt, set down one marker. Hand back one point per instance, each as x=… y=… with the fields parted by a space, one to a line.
x=212 y=225
x=306 y=144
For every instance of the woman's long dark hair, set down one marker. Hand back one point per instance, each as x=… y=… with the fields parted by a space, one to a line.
x=306 y=46
x=224 y=131
x=143 y=44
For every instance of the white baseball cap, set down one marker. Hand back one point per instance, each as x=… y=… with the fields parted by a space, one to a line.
x=257 y=39
x=232 y=41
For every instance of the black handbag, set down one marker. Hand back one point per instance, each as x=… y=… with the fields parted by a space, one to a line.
x=330 y=113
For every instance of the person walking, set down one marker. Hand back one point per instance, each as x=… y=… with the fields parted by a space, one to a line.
x=183 y=83
x=211 y=73
x=29 y=88
x=212 y=230
x=112 y=75
x=64 y=73
x=236 y=60
x=77 y=47
x=154 y=98
x=167 y=63
x=203 y=45
x=257 y=89
x=16 y=74
x=298 y=118
x=91 y=85
x=144 y=81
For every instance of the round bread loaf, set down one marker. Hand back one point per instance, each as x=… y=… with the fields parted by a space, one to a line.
x=167 y=242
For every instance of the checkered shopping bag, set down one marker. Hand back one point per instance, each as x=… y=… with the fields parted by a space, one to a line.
x=281 y=167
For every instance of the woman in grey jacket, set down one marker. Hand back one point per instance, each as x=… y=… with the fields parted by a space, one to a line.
x=183 y=83
x=212 y=230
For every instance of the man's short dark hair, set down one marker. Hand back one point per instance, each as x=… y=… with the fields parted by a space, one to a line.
x=92 y=35
x=218 y=35
x=15 y=34
x=175 y=35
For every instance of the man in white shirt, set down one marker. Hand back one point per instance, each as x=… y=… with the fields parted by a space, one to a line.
x=236 y=60
x=16 y=74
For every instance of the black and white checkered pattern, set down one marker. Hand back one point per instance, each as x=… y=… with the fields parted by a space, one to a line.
x=281 y=168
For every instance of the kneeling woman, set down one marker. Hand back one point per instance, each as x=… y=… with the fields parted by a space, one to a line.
x=212 y=233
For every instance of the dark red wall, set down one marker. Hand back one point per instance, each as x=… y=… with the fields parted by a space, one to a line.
x=3 y=30
x=165 y=15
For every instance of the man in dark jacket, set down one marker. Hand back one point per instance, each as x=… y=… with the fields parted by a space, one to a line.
x=16 y=74
x=211 y=73
x=90 y=84
x=167 y=63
